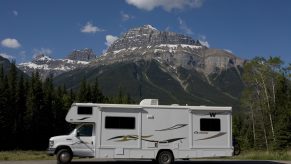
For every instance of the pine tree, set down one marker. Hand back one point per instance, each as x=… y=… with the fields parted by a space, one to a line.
x=35 y=105
x=4 y=115
x=62 y=103
x=45 y=113
x=20 y=105
x=97 y=96
x=1 y=73
x=12 y=115
x=88 y=95
x=82 y=94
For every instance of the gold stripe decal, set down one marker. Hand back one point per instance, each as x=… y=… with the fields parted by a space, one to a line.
x=173 y=127
x=144 y=138
x=214 y=136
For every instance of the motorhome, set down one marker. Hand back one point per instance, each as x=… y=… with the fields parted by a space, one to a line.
x=145 y=131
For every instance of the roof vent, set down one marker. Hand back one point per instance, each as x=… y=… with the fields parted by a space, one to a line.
x=149 y=102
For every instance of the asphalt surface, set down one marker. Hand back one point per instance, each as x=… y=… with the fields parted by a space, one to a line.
x=94 y=161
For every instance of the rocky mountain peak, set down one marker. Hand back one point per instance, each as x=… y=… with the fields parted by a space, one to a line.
x=148 y=26
x=147 y=35
x=144 y=28
x=169 y=48
x=47 y=65
x=42 y=57
x=86 y=54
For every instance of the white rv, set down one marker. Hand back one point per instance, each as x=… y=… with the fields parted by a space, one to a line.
x=145 y=131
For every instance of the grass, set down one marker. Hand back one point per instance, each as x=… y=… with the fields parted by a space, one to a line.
x=24 y=155
x=247 y=155
x=264 y=155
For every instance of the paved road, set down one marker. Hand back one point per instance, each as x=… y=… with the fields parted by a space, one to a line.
x=149 y=162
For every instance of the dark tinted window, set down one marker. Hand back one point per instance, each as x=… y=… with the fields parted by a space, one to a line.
x=85 y=130
x=119 y=122
x=208 y=124
x=84 y=110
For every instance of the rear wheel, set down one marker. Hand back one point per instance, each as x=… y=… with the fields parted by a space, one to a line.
x=165 y=157
x=64 y=156
x=236 y=150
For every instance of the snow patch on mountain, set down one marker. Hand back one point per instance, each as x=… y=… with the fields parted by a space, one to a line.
x=47 y=65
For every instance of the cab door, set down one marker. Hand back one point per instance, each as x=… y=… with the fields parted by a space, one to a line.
x=85 y=138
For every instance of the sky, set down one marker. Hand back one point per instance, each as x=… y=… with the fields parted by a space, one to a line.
x=247 y=28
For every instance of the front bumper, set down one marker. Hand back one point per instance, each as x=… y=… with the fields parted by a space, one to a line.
x=51 y=151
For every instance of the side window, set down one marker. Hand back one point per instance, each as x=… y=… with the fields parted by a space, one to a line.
x=209 y=124
x=85 y=130
x=85 y=110
x=119 y=122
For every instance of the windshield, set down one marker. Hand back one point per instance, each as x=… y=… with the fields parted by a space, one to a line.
x=85 y=130
x=76 y=126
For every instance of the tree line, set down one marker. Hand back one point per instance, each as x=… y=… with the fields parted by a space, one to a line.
x=32 y=110
x=264 y=122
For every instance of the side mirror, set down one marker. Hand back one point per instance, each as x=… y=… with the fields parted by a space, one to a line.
x=78 y=134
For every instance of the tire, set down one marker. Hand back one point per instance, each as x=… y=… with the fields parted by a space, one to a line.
x=236 y=150
x=165 y=157
x=64 y=156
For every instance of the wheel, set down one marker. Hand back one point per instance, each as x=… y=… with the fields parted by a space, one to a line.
x=64 y=156
x=236 y=150
x=165 y=157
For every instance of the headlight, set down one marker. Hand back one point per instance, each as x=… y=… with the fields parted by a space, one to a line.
x=51 y=143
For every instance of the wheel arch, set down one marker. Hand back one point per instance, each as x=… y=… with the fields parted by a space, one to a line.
x=63 y=147
x=161 y=150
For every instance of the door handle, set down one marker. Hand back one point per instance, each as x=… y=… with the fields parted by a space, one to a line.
x=92 y=143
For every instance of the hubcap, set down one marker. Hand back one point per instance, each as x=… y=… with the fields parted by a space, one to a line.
x=65 y=157
x=165 y=158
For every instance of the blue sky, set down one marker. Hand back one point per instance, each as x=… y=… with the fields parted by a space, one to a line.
x=248 y=28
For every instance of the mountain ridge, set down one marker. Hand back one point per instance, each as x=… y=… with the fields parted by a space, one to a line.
x=148 y=43
x=47 y=65
x=148 y=63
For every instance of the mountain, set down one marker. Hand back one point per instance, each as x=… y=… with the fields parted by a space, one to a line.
x=168 y=48
x=82 y=55
x=148 y=63
x=6 y=64
x=47 y=65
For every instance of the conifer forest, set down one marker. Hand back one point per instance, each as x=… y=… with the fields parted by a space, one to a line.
x=32 y=110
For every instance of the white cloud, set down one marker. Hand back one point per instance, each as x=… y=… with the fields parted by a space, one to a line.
x=10 y=43
x=15 y=13
x=203 y=41
x=90 y=28
x=9 y=57
x=125 y=17
x=167 y=5
x=110 y=39
x=184 y=27
x=45 y=51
